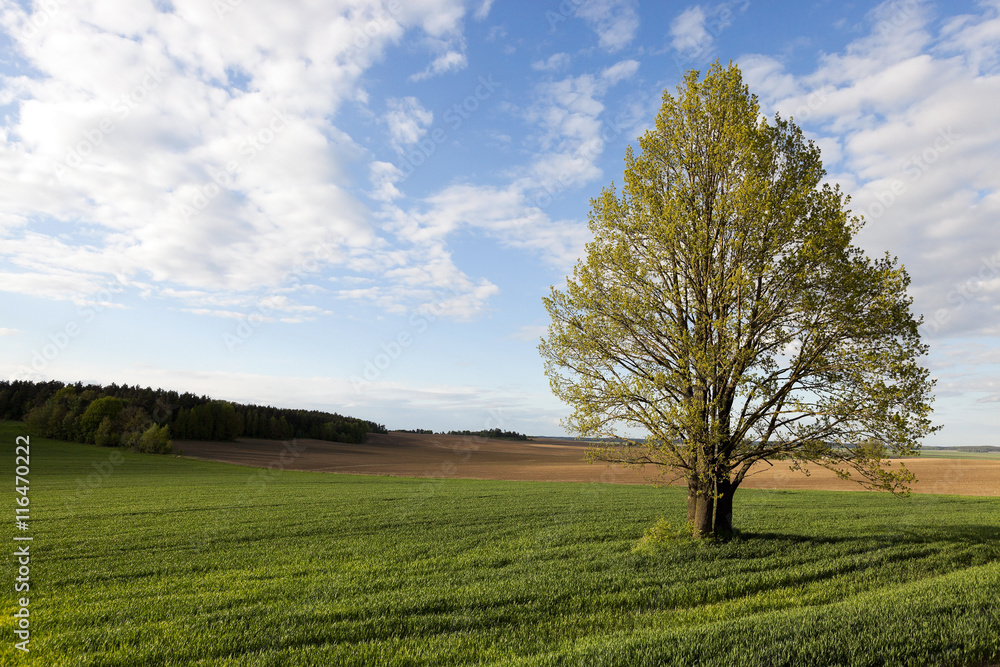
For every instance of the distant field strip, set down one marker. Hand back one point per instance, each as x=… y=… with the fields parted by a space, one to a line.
x=959 y=454
x=170 y=561
x=551 y=460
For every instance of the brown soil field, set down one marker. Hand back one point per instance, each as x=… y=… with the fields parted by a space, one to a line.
x=463 y=457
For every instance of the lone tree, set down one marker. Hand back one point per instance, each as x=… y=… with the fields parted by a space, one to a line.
x=722 y=309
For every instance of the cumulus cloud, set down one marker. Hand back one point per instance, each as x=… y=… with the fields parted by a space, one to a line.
x=450 y=61
x=483 y=10
x=384 y=176
x=906 y=116
x=912 y=113
x=407 y=121
x=620 y=71
x=554 y=63
x=568 y=139
x=615 y=21
x=573 y=127
x=425 y=280
x=194 y=151
x=687 y=30
x=693 y=31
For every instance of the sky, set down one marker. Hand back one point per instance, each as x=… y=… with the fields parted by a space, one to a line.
x=357 y=206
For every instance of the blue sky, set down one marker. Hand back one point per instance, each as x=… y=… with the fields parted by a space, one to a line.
x=357 y=206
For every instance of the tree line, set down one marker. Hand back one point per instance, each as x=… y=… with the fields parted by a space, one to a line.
x=488 y=433
x=145 y=419
x=493 y=433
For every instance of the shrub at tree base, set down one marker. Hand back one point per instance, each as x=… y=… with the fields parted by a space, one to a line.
x=663 y=534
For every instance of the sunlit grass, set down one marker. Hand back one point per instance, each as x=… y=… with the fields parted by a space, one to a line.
x=173 y=561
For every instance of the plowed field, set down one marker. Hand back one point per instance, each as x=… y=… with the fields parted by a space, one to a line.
x=410 y=455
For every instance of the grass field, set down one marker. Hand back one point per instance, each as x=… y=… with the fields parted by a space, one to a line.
x=958 y=454
x=169 y=561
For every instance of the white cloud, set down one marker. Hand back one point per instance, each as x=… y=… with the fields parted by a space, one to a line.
x=514 y=215
x=229 y=314
x=693 y=32
x=687 y=31
x=407 y=120
x=569 y=143
x=767 y=78
x=142 y=157
x=384 y=176
x=907 y=113
x=568 y=114
x=620 y=71
x=554 y=63
x=55 y=284
x=9 y=332
x=422 y=277
x=484 y=10
x=450 y=61
x=615 y=21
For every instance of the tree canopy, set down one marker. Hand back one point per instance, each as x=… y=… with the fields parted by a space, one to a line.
x=722 y=309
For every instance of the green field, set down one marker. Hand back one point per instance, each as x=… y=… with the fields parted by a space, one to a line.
x=958 y=454
x=169 y=561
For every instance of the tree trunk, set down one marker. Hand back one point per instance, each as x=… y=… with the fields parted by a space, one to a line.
x=724 y=508
x=692 y=499
x=703 y=514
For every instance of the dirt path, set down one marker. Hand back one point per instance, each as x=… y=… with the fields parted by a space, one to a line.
x=410 y=455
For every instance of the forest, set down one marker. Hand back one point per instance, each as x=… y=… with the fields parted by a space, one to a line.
x=145 y=419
